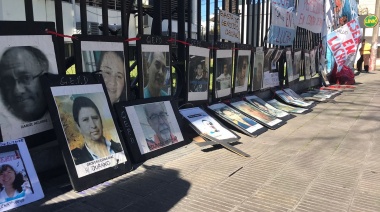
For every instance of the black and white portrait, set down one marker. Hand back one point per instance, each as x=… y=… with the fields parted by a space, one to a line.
x=223 y=73
x=242 y=70
x=23 y=108
x=198 y=73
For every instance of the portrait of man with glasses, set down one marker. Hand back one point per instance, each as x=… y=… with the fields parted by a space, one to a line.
x=157 y=118
x=21 y=91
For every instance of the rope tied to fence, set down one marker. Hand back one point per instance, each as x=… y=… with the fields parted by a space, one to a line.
x=59 y=35
x=132 y=39
x=179 y=41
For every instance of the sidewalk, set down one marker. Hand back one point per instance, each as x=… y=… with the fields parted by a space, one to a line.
x=326 y=160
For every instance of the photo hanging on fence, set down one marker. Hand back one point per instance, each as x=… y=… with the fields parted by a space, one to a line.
x=107 y=59
x=289 y=65
x=223 y=73
x=235 y=117
x=297 y=64
x=19 y=181
x=267 y=59
x=154 y=66
x=307 y=69
x=257 y=78
x=275 y=59
x=264 y=106
x=198 y=73
x=242 y=71
x=260 y=116
x=313 y=69
x=206 y=125
x=23 y=108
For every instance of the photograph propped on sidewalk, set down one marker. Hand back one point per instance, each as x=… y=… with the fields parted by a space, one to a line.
x=287 y=108
x=237 y=119
x=265 y=107
x=91 y=143
x=261 y=117
x=288 y=99
x=19 y=180
x=150 y=127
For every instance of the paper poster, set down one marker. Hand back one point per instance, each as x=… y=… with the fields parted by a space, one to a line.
x=17 y=176
x=229 y=26
x=310 y=15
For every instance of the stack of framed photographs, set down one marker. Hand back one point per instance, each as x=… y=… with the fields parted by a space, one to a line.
x=92 y=146
x=24 y=185
x=290 y=100
x=237 y=119
x=26 y=53
x=264 y=106
x=198 y=73
x=222 y=77
x=261 y=117
x=104 y=55
x=150 y=128
x=242 y=68
x=154 y=66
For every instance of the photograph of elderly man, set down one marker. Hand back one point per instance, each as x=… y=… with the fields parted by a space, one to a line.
x=157 y=118
x=21 y=90
x=90 y=125
x=157 y=75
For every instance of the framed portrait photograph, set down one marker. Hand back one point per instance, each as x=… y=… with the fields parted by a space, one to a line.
x=268 y=59
x=307 y=69
x=266 y=107
x=261 y=117
x=242 y=68
x=275 y=59
x=19 y=181
x=297 y=64
x=257 y=77
x=154 y=66
x=150 y=128
x=93 y=148
x=289 y=64
x=24 y=58
x=104 y=55
x=292 y=101
x=206 y=126
x=287 y=108
x=237 y=119
x=313 y=60
x=198 y=70
x=222 y=71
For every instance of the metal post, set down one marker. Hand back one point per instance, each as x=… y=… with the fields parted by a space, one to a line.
x=375 y=34
x=199 y=20
x=28 y=6
x=105 y=17
x=207 y=20
x=83 y=17
x=242 y=19
x=216 y=10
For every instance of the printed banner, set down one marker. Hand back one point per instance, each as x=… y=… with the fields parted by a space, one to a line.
x=282 y=30
x=310 y=15
x=343 y=43
x=229 y=26
x=283 y=4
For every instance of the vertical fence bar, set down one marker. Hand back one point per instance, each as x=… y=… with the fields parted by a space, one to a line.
x=28 y=6
x=189 y=17
x=262 y=33
x=169 y=8
x=59 y=25
x=242 y=19
x=253 y=25
x=207 y=20
x=249 y=25
x=266 y=23
x=105 y=17
x=199 y=20
x=124 y=18
x=140 y=27
x=83 y=17
x=257 y=28
x=157 y=18
x=216 y=20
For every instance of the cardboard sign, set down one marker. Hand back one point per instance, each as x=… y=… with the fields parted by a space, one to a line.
x=310 y=15
x=229 y=26
x=343 y=43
